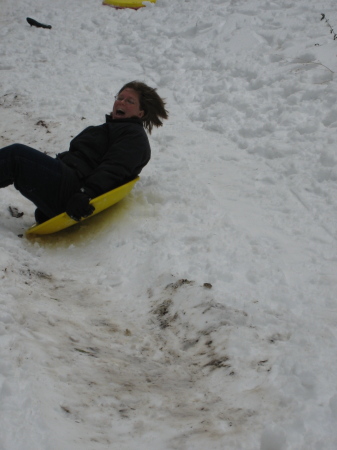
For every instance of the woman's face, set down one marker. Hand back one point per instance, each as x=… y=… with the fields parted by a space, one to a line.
x=127 y=105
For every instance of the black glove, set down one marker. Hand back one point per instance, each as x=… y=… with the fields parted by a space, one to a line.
x=78 y=206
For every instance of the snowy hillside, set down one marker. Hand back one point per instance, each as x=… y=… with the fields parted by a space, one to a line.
x=201 y=311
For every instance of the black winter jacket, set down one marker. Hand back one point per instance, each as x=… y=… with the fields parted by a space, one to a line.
x=109 y=155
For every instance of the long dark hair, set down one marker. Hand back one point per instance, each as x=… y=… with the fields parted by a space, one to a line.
x=150 y=102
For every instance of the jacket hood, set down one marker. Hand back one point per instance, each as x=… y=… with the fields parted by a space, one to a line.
x=109 y=119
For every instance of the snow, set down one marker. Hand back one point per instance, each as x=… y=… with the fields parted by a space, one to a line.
x=200 y=312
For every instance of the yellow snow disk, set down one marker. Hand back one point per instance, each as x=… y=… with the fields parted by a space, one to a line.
x=135 y=4
x=100 y=203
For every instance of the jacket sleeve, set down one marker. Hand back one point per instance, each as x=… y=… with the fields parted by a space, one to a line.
x=121 y=163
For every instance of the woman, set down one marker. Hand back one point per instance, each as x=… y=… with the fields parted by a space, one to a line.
x=99 y=159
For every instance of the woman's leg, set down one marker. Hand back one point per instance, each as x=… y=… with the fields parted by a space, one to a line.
x=40 y=217
x=36 y=175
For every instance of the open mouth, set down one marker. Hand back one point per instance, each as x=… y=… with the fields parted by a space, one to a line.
x=120 y=112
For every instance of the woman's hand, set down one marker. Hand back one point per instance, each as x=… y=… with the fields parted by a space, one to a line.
x=78 y=206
